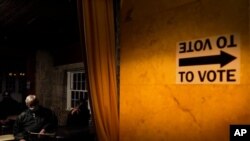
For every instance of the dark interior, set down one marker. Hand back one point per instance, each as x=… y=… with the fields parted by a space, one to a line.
x=30 y=25
x=26 y=26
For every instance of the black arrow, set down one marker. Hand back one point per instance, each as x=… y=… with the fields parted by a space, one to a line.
x=223 y=58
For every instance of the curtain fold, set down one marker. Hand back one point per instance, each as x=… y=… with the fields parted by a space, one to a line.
x=97 y=21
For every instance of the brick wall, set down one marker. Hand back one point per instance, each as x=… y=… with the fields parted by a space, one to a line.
x=51 y=84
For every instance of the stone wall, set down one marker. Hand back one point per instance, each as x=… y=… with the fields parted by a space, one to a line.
x=153 y=107
x=51 y=84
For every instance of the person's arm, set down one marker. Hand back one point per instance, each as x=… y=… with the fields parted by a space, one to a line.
x=18 y=132
x=74 y=110
x=42 y=131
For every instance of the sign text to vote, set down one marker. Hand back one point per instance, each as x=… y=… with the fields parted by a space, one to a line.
x=209 y=60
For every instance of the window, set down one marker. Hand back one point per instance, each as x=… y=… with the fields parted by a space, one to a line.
x=15 y=83
x=76 y=88
x=11 y=83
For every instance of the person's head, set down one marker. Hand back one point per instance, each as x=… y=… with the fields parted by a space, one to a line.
x=31 y=101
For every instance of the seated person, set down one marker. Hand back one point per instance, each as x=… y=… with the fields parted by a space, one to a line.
x=77 y=123
x=36 y=119
x=79 y=116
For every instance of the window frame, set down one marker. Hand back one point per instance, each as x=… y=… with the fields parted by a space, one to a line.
x=70 y=81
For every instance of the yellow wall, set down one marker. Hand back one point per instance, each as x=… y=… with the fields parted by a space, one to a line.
x=152 y=106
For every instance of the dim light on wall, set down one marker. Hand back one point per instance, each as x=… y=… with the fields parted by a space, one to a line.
x=16 y=74
x=22 y=74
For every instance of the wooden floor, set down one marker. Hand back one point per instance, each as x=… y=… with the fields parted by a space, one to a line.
x=75 y=134
x=63 y=133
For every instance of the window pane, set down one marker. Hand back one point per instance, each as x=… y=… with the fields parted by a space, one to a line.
x=77 y=95
x=74 y=85
x=78 y=85
x=81 y=95
x=78 y=90
x=74 y=77
x=79 y=77
x=83 y=76
x=72 y=103
x=72 y=95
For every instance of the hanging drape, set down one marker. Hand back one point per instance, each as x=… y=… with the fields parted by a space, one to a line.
x=97 y=23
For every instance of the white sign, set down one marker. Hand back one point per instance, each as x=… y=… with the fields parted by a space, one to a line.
x=212 y=60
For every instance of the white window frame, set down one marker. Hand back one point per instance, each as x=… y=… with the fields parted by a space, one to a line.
x=70 y=89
